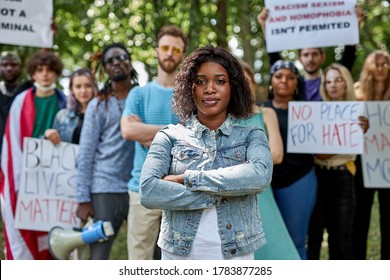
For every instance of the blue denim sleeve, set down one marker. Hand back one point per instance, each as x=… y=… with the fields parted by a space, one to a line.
x=159 y=194
x=250 y=177
x=57 y=120
x=87 y=151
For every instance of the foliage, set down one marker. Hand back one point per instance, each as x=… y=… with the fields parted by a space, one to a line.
x=85 y=27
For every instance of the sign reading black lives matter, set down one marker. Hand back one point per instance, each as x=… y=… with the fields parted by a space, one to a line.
x=47 y=191
x=26 y=23
x=297 y=24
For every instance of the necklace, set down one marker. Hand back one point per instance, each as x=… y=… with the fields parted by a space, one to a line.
x=4 y=90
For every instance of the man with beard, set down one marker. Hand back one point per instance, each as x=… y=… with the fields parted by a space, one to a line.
x=312 y=60
x=105 y=159
x=147 y=110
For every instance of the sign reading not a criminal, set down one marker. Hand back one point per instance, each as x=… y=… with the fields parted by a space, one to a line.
x=26 y=23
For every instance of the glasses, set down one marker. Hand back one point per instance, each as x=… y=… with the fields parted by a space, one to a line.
x=383 y=66
x=120 y=58
x=337 y=80
x=175 y=50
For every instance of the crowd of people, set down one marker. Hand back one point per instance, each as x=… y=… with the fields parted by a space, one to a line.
x=190 y=161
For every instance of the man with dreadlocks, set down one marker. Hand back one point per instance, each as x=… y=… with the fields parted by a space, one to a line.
x=105 y=159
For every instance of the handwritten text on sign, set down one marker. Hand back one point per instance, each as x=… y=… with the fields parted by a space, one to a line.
x=325 y=127
x=294 y=24
x=26 y=22
x=47 y=192
x=376 y=156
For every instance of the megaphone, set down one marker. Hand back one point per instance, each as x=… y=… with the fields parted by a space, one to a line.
x=62 y=242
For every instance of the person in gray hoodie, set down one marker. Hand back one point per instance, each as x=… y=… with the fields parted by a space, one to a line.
x=105 y=159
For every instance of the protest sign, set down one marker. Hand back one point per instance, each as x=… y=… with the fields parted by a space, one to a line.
x=325 y=127
x=26 y=22
x=376 y=156
x=295 y=24
x=47 y=193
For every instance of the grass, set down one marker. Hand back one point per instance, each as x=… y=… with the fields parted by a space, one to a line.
x=373 y=247
x=119 y=250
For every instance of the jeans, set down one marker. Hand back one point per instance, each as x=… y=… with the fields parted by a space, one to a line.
x=296 y=204
x=111 y=207
x=361 y=225
x=334 y=210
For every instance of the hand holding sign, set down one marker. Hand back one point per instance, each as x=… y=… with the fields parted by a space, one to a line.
x=325 y=127
x=316 y=23
x=47 y=191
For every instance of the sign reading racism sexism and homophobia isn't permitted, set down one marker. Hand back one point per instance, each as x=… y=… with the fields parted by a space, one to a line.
x=294 y=24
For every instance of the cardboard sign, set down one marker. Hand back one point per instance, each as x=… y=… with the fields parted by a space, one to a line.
x=376 y=156
x=26 y=22
x=295 y=24
x=319 y=127
x=47 y=193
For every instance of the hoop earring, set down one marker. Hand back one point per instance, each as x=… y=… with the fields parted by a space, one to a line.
x=270 y=92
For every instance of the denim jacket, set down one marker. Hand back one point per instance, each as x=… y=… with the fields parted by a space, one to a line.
x=225 y=169
x=66 y=122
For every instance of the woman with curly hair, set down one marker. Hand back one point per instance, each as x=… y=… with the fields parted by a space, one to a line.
x=205 y=172
x=373 y=85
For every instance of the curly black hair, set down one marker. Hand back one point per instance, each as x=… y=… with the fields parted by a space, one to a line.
x=241 y=98
x=47 y=58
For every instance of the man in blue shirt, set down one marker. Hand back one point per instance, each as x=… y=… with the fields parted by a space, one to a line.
x=147 y=110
